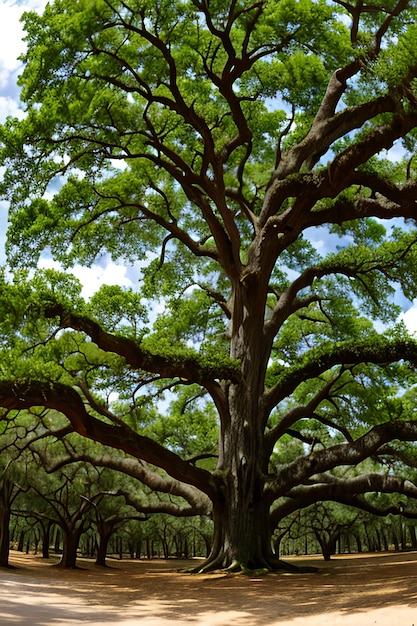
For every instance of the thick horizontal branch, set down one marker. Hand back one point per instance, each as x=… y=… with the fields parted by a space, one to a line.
x=171 y=508
x=189 y=367
x=401 y=202
x=24 y=394
x=198 y=502
x=366 y=483
x=305 y=468
x=326 y=130
x=349 y=492
x=317 y=361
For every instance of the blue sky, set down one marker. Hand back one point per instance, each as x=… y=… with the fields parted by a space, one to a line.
x=11 y=46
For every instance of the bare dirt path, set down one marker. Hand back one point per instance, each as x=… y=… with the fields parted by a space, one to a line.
x=349 y=591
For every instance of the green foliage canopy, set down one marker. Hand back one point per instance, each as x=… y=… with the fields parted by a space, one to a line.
x=209 y=144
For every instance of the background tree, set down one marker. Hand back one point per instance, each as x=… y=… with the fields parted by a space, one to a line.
x=62 y=501
x=327 y=524
x=214 y=146
x=9 y=490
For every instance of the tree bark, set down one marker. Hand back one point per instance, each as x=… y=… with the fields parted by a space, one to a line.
x=413 y=536
x=241 y=538
x=70 y=547
x=5 y=513
x=46 y=527
x=241 y=513
x=102 y=548
x=105 y=532
x=8 y=492
x=327 y=545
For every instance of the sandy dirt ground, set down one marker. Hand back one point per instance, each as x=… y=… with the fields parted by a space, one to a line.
x=349 y=591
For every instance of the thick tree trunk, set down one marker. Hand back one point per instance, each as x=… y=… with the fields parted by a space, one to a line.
x=102 y=547
x=70 y=548
x=241 y=538
x=241 y=512
x=7 y=495
x=358 y=543
x=241 y=515
x=4 y=533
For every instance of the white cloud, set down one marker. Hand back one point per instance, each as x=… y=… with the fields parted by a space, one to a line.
x=11 y=47
x=11 y=33
x=409 y=318
x=9 y=106
x=92 y=278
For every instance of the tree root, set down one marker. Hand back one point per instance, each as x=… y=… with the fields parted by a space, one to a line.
x=269 y=566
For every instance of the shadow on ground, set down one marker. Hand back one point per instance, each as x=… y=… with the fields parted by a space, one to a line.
x=350 y=591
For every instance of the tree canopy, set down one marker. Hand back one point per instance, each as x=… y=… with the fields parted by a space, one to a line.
x=253 y=164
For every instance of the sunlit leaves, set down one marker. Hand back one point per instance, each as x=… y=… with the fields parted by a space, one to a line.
x=397 y=62
x=119 y=310
x=190 y=428
x=235 y=155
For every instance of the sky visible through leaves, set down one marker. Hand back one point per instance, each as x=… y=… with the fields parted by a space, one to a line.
x=11 y=46
x=103 y=271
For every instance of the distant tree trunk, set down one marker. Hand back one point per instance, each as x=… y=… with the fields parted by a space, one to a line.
x=70 y=547
x=165 y=547
x=358 y=542
x=207 y=543
x=395 y=540
x=368 y=538
x=186 y=549
x=102 y=551
x=378 y=543
x=8 y=492
x=105 y=533
x=413 y=536
x=277 y=542
x=385 y=540
x=327 y=543
x=36 y=540
x=57 y=542
x=348 y=546
x=21 y=541
x=403 y=534
x=148 y=548
x=4 y=533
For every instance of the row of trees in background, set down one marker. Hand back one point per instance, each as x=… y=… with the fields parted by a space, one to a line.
x=80 y=511
x=166 y=537
x=161 y=537
x=63 y=491
x=57 y=496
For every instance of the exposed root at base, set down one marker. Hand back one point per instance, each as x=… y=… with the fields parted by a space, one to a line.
x=271 y=567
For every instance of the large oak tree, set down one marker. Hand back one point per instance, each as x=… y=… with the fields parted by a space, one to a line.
x=238 y=155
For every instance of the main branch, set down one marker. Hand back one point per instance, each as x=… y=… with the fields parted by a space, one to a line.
x=24 y=394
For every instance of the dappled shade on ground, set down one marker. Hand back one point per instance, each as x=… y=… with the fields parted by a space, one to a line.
x=348 y=591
